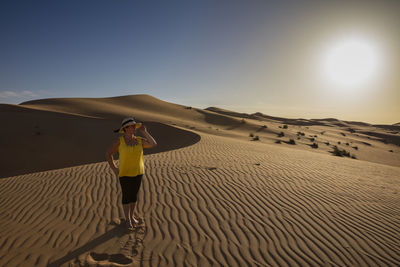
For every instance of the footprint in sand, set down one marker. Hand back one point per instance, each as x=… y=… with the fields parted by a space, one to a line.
x=120 y=259
x=99 y=256
x=113 y=258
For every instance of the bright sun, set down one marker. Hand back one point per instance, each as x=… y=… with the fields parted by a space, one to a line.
x=351 y=63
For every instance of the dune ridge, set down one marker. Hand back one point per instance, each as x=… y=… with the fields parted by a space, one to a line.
x=218 y=202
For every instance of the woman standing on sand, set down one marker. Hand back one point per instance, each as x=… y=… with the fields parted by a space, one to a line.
x=131 y=164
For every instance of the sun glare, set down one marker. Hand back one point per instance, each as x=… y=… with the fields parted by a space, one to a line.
x=351 y=63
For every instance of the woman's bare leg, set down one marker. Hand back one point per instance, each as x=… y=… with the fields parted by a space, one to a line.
x=134 y=220
x=126 y=212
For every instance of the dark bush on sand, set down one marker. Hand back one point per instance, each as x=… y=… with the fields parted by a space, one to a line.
x=314 y=145
x=341 y=153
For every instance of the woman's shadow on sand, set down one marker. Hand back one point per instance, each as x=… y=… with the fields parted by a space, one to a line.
x=117 y=231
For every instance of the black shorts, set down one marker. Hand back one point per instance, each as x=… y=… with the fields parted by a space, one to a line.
x=130 y=188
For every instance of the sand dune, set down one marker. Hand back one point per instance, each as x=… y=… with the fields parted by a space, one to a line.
x=144 y=107
x=219 y=202
x=211 y=196
x=35 y=140
x=374 y=143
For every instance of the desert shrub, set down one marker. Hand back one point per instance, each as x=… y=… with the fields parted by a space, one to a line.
x=251 y=135
x=338 y=142
x=353 y=156
x=315 y=135
x=256 y=138
x=391 y=150
x=343 y=134
x=298 y=138
x=285 y=126
x=312 y=139
x=355 y=147
x=347 y=144
x=281 y=134
x=314 y=145
x=340 y=152
x=322 y=132
x=242 y=121
x=263 y=127
x=278 y=141
x=292 y=142
x=327 y=143
x=188 y=107
x=301 y=133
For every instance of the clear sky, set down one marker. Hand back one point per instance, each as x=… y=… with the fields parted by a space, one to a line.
x=282 y=58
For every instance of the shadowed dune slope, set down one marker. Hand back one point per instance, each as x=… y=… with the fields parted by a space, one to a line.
x=384 y=137
x=36 y=140
x=220 y=202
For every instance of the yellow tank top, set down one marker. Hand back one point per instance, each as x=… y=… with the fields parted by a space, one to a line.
x=130 y=158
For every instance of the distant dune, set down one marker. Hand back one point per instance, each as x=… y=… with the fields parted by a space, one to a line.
x=221 y=189
x=385 y=137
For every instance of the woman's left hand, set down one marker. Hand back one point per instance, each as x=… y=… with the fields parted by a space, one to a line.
x=142 y=129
